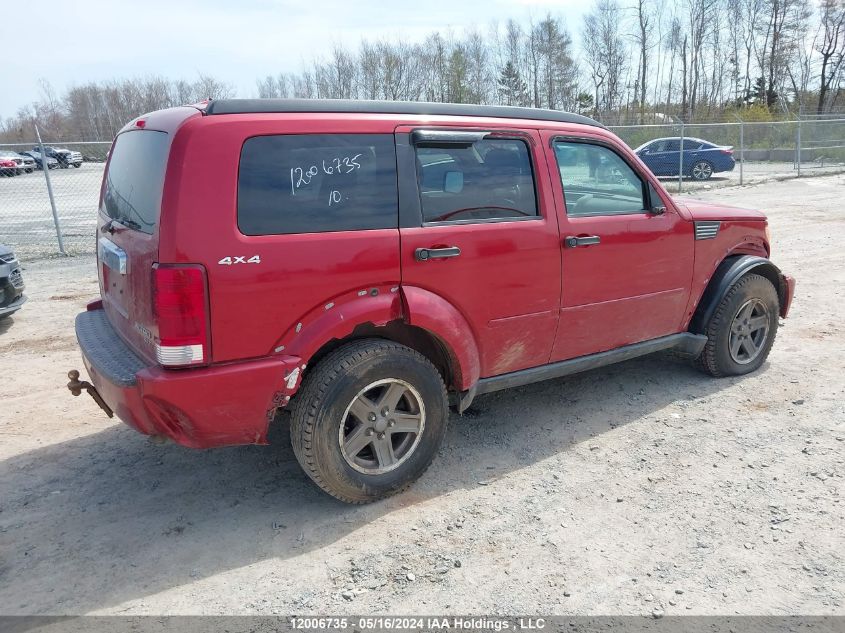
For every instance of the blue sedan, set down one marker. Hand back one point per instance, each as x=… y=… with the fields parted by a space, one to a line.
x=701 y=160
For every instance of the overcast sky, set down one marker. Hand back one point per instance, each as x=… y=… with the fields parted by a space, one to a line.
x=234 y=40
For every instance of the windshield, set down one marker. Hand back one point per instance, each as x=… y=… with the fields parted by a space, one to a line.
x=135 y=179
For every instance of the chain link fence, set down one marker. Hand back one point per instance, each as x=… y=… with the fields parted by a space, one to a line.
x=27 y=222
x=760 y=152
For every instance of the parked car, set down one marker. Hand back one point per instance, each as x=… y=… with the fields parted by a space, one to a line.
x=19 y=163
x=28 y=163
x=11 y=283
x=65 y=157
x=8 y=167
x=365 y=265
x=701 y=160
x=35 y=155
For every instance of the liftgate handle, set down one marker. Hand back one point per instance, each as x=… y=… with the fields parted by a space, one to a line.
x=424 y=254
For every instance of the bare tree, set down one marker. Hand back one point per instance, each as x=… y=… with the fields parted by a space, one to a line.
x=831 y=48
x=693 y=57
x=605 y=52
x=700 y=22
x=645 y=24
x=672 y=45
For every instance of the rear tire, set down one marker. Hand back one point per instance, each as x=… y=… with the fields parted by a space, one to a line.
x=344 y=416
x=742 y=330
x=701 y=170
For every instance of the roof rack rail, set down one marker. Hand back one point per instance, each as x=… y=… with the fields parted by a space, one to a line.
x=253 y=106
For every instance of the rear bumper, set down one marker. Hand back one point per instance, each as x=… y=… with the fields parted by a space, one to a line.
x=201 y=408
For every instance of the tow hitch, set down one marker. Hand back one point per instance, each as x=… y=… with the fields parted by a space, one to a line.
x=76 y=386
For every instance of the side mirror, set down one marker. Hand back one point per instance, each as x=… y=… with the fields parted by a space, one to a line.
x=655 y=204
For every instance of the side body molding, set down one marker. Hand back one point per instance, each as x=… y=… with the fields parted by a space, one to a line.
x=433 y=313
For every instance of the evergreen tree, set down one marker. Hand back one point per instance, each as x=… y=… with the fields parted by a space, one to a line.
x=585 y=102
x=457 y=73
x=512 y=89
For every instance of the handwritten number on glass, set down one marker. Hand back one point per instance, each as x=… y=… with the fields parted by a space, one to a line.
x=302 y=177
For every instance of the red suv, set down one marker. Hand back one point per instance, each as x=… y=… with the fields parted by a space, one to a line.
x=366 y=265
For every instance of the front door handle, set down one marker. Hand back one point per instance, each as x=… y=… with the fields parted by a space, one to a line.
x=424 y=254
x=574 y=242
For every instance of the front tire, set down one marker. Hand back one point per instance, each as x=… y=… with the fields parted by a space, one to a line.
x=368 y=420
x=742 y=330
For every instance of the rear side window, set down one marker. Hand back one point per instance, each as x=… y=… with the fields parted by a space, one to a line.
x=314 y=183
x=135 y=179
x=490 y=179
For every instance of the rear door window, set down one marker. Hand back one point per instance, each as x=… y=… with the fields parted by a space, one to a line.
x=135 y=179
x=490 y=179
x=315 y=183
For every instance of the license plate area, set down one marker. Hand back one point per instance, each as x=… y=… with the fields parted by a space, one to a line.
x=112 y=256
x=114 y=269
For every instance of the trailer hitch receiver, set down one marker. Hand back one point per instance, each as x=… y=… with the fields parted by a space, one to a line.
x=76 y=386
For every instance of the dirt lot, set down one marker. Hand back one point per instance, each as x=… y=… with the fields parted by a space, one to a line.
x=640 y=487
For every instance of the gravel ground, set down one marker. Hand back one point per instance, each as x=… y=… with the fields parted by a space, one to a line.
x=637 y=488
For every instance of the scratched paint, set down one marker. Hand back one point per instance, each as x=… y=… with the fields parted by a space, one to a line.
x=292 y=377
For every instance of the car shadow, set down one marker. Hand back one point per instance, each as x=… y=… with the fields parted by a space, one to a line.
x=96 y=521
x=6 y=323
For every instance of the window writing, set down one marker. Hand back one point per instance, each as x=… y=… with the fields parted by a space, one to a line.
x=314 y=183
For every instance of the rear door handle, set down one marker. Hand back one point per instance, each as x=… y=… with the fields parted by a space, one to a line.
x=574 y=242
x=424 y=254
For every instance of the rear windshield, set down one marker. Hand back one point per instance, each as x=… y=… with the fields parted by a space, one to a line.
x=313 y=183
x=135 y=179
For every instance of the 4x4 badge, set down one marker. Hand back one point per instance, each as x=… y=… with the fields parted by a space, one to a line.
x=228 y=261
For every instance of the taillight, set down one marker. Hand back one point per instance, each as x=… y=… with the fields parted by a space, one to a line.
x=727 y=150
x=180 y=307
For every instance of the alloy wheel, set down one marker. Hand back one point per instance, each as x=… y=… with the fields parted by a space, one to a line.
x=749 y=331
x=702 y=171
x=382 y=426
